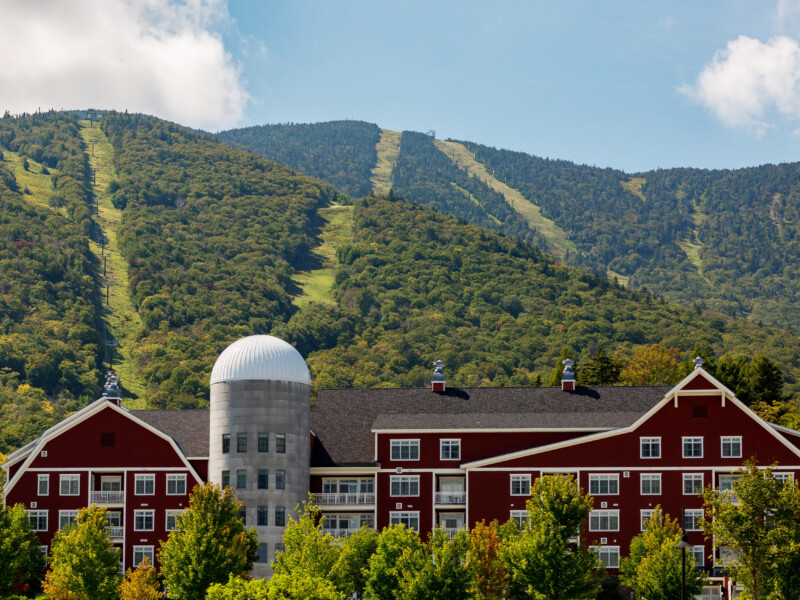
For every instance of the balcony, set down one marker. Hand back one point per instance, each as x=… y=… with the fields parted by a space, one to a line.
x=451 y=532
x=343 y=499
x=451 y=497
x=116 y=533
x=115 y=497
x=339 y=533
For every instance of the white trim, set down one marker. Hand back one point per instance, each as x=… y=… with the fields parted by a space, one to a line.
x=487 y=430
x=98 y=405
x=102 y=469
x=39 y=479
x=185 y=486
x=410 y=445
x=68 y=478
x=607 y=512
x=652 y=438
x=144 y=477
x=603 y=477
x=450 y=441
x=571 y=470
x=343 y=471
x=641 y=483
x=693 y=437
x=410 y=479
x=152 y=514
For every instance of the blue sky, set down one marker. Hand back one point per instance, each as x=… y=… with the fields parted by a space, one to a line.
x=632 y=85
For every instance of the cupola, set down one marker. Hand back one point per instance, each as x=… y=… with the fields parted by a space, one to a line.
x=111 y=391
x=438 y=385
x=568 y=376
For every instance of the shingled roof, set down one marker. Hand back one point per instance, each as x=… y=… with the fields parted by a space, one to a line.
x=343 y=419
x=188 y=427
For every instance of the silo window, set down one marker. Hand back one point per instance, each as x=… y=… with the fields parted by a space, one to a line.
x=280 y=480
x=263 y=479
x=280 y=443
x=262 y=516
x=241 y=442
x=226 y=479
x=226 y=443
x=261 y=554
x=280 y=516
x=243 y=515
x=241 y=479
x=263 y=442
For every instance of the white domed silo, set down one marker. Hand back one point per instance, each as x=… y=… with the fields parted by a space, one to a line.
x=259 y=433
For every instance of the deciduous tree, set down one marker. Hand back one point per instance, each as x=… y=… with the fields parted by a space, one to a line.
x=652 y=365
x=384 y=574
x=141 y=583
x=489 y=577
x=22 y=565
x=350 y=571
x=436 y=571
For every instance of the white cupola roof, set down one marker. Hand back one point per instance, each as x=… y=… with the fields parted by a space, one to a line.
x=263 y=358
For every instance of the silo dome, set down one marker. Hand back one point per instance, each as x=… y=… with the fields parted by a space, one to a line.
x=263 y=358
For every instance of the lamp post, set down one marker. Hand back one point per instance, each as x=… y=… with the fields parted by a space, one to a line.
x=683 y=544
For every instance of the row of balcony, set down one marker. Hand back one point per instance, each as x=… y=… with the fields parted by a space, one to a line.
x=341 y=533
x=328 y=499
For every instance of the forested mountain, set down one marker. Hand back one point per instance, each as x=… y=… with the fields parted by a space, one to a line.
x=724 y=240
x=214 y=241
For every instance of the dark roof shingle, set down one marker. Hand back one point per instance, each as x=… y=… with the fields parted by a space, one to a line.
x=188 y=427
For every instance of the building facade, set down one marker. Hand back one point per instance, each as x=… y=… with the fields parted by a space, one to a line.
x=439 y=457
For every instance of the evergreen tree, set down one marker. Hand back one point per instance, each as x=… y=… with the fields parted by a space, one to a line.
x=600 y=369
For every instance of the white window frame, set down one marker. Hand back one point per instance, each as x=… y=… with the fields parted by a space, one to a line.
x=597 y=479
x=730 y=439
x=405 y=518
x=688 y=439
x=595 y=523
x=173 y=478
x=144 y=478
x=692 y=477
x=143 y=552
x=72 y=515
x=69 y=479
x=43 y=550
x=449 y=445
x=701 y=550
x=649 y=440
x=645 y=515
x=696 y=514
x=522 y=478
x=411 y=481
x=38 y=514
x=609 y=552
x=520 y=517
x=399 y=445
x=145 y=513
x=172 y=514
x=39 y=481
x=650 y=478
x=783 y=477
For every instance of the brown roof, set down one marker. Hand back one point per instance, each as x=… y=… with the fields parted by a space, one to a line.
x=188 y=427
x=343 y=419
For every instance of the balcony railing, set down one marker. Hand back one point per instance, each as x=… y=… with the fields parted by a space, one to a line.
x=115 y=497
x=340 y=533
x=331 y=499
x=451 y=497
x=116 y=532
x=121 y=569
x=451 y=532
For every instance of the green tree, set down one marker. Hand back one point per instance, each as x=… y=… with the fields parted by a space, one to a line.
x=238 y=588
x=209 y=544
x=436 y=571
x=84 y=563
x=600 y=369
x=544 y=560
x=654 y=568
x=141 y=583
x=756 y=526
x=554 y=378
x=22 y=564
x=490 y=580
x=384 y=574
x=351 y=568
x=652 y=365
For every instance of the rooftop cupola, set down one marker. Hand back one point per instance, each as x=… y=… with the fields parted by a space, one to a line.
x=568 y=376
x=438 y=385
x=111 y=391
x=698 y=363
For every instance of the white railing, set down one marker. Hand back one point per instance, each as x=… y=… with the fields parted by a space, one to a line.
x=121 y=569
x=451 y=497
x=330 y=499
x=451 y=533
x=116 y=532
x=116 y=497
x=339 y=533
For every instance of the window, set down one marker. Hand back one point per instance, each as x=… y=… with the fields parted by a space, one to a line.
x=172 y=519
x=604 y=484
x=732 y=447
x=520 y=517
x=604 y=520
x=692 y=484
x=226 y=479
x=280 y=516
x=243 y=515
x=409 y=519
x=726 y=486
x=404 y=485
x=43 y=488
x=70 y=485
x=261 y=553
x=692 y=519
x=263 y=444
x=226 y=443
x=142 y=552
x=692 y=447
x=107 y=440
x=143 y=520
x=43 y=550
x=783 y=477
x=405 y=449
x=650 y=484
x=700 y=411
x=280 y=443
x=145 y=485
x=450 y=449
x=176 y=485
x=646 y=515
x=262 y=516
x=241 y=442
x=279 y=549
x=38 y=520
x=280 y=479
x=650 y=447
x=66 y=517
x=520 y=485
x=263 y=479
x=241 y=479
x=699 y=555
x=609 y=555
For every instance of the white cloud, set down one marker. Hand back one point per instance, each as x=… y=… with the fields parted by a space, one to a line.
x=749 y=80
x=160 y=57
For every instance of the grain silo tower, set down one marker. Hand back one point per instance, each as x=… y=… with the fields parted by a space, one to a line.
x=259 y=434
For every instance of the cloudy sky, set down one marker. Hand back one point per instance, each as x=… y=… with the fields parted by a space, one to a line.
x=628 y=84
